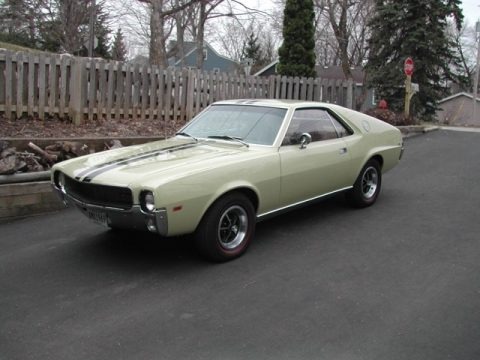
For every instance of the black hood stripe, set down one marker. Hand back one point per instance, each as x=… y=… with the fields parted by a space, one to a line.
x=96 y=170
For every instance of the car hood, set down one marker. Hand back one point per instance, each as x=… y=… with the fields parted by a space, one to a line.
x=130 y=165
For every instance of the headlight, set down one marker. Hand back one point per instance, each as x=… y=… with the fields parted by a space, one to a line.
x=148 y=201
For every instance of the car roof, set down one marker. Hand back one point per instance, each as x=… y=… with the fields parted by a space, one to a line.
x=275 y=103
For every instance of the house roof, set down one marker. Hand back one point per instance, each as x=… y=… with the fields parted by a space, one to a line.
x=190 y=47
x=326 y=72
x=451 y=97
x=262 y=70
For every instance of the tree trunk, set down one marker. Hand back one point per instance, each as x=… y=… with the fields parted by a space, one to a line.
x=158 y=54
x=180 y=46
x=200 y=34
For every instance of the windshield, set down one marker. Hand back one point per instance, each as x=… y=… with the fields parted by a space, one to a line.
x=252 y=124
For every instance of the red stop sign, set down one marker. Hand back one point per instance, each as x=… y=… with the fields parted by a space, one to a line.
x=408 y=66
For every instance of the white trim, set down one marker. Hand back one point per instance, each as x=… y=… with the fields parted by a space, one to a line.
x=266 y=67
x=300 y=203
x=457 y=95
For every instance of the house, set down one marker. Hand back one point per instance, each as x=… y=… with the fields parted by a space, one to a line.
x=212 y=60
x=363 y=100
x=458 y=110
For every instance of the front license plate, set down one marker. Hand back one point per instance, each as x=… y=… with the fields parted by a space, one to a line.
x=99 y=217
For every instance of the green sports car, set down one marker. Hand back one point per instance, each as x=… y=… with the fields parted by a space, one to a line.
x=235 y=163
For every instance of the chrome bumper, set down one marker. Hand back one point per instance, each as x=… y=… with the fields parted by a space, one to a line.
x=134 y=218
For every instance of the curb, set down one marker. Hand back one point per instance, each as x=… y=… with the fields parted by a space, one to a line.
x=25 y=177
x=415 y=130
x=27 y=199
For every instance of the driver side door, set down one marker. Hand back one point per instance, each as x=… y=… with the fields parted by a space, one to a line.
x=322 y=166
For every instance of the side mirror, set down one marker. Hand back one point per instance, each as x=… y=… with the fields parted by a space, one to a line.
x=305 y=139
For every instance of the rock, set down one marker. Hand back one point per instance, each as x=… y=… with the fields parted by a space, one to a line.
x=4 y=145
x=8 y=165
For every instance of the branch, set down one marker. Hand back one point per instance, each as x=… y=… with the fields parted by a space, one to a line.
x=173 y=10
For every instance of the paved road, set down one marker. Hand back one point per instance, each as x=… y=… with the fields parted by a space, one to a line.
x=400 y=280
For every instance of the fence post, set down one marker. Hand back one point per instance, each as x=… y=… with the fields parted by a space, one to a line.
x=8 y=85
x=77 y=93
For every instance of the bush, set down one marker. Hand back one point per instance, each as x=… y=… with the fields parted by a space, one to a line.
x=390 y=117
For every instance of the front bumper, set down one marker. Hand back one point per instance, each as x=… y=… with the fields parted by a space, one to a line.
x=134 y=218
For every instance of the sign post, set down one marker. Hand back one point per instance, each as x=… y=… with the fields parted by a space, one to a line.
x=408 y=67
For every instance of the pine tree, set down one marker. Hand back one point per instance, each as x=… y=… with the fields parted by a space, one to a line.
x=102 y=32
x=18 y=21
x=119 y=50
x=297 y=53
x=415 y=28
x=251 y=50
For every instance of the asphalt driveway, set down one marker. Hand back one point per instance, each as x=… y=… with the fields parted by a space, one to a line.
x=399 y=280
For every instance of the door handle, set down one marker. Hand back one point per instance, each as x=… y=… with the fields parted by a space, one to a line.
x=343 y=151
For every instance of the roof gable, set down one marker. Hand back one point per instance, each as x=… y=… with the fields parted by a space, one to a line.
x=192 y=48
x=451 y=97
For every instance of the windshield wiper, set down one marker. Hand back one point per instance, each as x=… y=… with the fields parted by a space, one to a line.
x=187 y=135
x=228 y=137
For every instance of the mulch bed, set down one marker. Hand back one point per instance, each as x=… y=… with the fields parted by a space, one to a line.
x=33 y=159
x=55 y=128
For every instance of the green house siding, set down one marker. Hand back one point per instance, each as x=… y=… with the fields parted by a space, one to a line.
x=213 y=61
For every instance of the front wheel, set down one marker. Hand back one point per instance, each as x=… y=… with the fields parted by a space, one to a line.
x=227 y=228
x=367 y=186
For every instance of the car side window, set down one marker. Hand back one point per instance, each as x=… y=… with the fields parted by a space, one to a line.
x=317 y=122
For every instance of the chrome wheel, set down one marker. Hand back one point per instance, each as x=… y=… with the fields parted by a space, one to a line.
x=367 y=186
x=227 y=228
x=369 y=182
x=232 y=227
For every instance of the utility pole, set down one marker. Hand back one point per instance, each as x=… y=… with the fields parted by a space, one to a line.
x=91 y=28
x=408 y=67
x=477 y=70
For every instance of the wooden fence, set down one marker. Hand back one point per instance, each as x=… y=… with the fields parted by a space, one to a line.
x=43 y=85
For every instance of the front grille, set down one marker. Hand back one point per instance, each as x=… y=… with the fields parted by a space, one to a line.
x=102 y=195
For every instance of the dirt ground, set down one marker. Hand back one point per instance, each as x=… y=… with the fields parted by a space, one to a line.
x=56 y=128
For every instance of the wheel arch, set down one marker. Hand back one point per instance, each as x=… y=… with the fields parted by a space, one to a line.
x=378 y=158
x=246 y=191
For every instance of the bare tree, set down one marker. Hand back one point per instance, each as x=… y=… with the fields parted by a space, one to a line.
x=161 y=26
x=65 y=23
x=348 y=20
x=465 y=46
x=134 y=19
x=160 y=21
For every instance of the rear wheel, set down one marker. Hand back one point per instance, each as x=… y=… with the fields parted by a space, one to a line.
x=367 y=186
x=227 y=228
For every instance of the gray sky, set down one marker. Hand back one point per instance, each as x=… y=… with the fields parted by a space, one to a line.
x=471 y=10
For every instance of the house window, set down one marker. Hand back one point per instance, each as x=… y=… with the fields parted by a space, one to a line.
x=216 y=70
x=205 y=54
